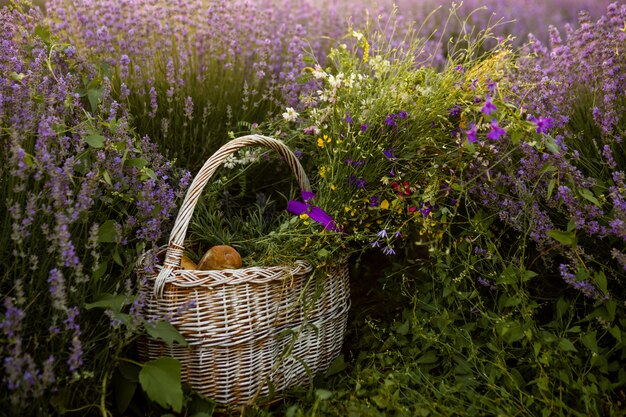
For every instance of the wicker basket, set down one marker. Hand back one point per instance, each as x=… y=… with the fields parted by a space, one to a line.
x=250 y=328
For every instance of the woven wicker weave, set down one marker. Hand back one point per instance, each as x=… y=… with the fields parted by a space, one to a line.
x=247 y=326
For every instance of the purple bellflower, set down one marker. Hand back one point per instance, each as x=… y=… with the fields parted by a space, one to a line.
x=488 y=107
x=314 y=212
x=544 y=124
x=496 y=131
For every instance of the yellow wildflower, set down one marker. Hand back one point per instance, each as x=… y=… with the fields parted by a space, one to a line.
x=384 y=204
x=366 y=50
x=321 y=142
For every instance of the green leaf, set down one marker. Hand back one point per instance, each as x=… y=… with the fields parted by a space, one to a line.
x=107 y=177
x=616 y=333
x=510 y=331
x=130 y=371
x=589 y=340
x=148 y=173
x=562 y=305
x=200 y=407
x=551 y=185
x=515 y=137
x=160 y=379
x=567 y=345
x=611 y=308
x=510 y=301
x=322 y=253
x=106 y=232
x=528 y=275
x=566 y=238
x=588 y=195
x=136 y=162
x=42 y=32
x=336 y=366
x=552 y=146
x=94 y=95
x=124 y=391
x=323 y=394
x=291 y=411
x=403 y=329
x=100 y=270
x=428 y=357
x=116 y=257
x=165 y=331
x=124 y=318
x=17 y=77
x=113 y=302
x=456 y=186
x=95 y=141
x=600 y=281
x=508 y=276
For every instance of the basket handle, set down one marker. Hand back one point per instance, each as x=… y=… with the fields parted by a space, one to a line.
x=175 y=246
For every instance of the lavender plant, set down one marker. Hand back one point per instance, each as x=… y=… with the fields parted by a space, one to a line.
x=82 y=195
x=577 y=84
x=190 y=71
x=193 y=71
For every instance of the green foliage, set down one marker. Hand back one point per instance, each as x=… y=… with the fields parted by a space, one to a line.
x=160 y=379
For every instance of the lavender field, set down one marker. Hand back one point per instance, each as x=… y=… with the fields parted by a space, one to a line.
x=466 y=158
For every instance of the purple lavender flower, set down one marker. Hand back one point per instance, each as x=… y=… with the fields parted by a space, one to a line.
x=357 y=182
x=390 y=121
x=57 y=289
x=153 y=102
x=584 y=287
x=13 y=317
x=189 y=108
x=389 y=154
x=482 y=281
x=454 y=111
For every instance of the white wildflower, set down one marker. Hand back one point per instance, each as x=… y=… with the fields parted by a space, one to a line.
x=357 y=35
x=318 y=72
x=290 y=115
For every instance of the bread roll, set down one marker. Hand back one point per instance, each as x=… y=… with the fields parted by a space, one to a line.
x=186 y=263
x=220 y=257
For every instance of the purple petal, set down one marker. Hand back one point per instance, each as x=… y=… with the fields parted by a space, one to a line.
x=296 y=207
x=324 y=218
x=308 y=195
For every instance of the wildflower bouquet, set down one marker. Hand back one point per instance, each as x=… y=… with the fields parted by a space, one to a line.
x=384 y=138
